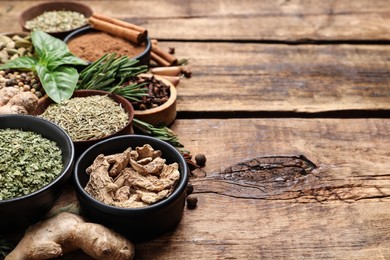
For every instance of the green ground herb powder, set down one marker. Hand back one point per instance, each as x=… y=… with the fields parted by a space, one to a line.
x=28 y=162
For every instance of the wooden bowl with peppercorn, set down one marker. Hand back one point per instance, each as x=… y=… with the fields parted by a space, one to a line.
x=56 y=18
x=159 y=107
x=36 y=161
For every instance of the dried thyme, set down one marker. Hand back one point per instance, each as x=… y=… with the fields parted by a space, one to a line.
x=28 y=162
x=57 y=21
x=88 y=118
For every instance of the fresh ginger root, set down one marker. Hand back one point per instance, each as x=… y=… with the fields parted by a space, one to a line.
x=14 y=101
x=67 y=232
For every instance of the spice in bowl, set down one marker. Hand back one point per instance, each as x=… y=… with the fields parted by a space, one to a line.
x=28 y=162
x=88 y=118
x=158 y=92
x=132 y=179
x=92 y=45
x=57 y=21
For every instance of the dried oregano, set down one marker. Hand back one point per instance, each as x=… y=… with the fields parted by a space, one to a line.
x=28 y=162
x=88 y=118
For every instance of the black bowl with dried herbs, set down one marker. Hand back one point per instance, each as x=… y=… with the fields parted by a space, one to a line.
x=36 y=160
x=141 y=217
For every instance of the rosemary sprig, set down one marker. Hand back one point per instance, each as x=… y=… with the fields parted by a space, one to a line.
x=163 y=133
x=109 y=72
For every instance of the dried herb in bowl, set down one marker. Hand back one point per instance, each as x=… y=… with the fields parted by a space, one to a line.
x=88 y=118
x=28 y=162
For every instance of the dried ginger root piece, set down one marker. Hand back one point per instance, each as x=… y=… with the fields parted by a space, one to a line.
x=146 y=180
x=6 y=94
x=147 y=151
x=14 y=101
x=151 y=197
x=153 y=167
x=100 y=184
x=67 y=232
x=120 y=161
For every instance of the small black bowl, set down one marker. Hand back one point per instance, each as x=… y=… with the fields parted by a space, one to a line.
x=137 y=224
x=18 y=213
x=143 y=58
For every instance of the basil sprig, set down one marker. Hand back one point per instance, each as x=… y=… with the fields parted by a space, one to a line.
x=53 y=63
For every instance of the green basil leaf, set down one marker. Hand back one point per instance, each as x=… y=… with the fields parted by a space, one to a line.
x=58 y=84
x=45 y=44
x=64 y=59
x=20 y=63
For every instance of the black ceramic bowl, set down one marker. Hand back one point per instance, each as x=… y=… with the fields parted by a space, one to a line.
x=137 y=224
x=143 y=58
x=17 y=213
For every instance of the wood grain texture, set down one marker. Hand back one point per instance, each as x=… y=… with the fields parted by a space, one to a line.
x=337 y=209
x=275 y=77
x=282 y=20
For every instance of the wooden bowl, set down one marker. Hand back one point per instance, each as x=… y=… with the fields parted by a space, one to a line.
x=161 y=115
x=36 y=10
x=80 y=146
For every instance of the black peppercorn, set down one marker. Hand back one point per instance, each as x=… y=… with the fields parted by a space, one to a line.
x=200 y=160
x=192 y=201
x=190 y=189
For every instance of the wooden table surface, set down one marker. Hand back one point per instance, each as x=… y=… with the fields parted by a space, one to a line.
x=289 y=100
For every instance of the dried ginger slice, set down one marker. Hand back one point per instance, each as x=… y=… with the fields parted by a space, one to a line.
x=147 y=151
x=119 y=161
x=151 y=197
x=147 y=182
x=154 y=167
x=100 y=184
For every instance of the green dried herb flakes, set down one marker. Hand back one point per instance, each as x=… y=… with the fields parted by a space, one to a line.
x=28 y=162
x=88 y=118
x=57 y=21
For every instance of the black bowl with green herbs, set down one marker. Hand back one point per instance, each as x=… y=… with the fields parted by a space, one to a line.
x=36 y=161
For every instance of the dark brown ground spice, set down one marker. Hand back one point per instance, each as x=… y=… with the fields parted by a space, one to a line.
x=158 y=92
x=93 y=45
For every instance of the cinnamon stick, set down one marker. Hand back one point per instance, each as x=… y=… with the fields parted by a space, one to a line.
x=159 y=60
x=129 y=34
x=120 y=23
x=172 y=60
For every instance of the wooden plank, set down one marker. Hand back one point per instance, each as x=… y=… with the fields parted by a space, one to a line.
x=361 y=20
x=232 y=221
x=274 y=77
x=339 y=209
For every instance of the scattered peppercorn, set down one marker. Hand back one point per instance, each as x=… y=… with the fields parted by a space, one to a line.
x=190 y=189
x=192 y=202
x=200 y=160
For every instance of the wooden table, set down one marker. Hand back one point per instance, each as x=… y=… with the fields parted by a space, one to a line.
x=290 y=102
